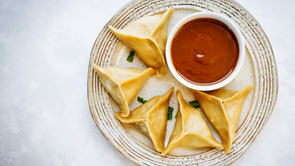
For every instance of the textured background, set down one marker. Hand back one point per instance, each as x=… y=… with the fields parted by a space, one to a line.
x=44 y=114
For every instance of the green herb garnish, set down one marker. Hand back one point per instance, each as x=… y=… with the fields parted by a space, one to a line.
x=170 y=110
x=130 y=57
x=141 y=100
x=169 y=116
x=194 y=104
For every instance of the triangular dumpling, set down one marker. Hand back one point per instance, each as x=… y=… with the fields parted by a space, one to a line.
x=151 y=118
x=123 y=84
x=222 y=108
x=147 y=36
x=190 y=129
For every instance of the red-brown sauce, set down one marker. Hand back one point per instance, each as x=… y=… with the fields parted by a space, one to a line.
x=204 y=51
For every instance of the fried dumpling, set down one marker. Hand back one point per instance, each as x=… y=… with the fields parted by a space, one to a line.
x=151 y=118
x=190 y=129
x=222 y=108
x=123 y=84
x=147 y=36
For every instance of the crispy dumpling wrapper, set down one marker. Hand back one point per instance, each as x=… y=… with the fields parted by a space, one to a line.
x=151 y=118
x=123 y=84
x=223 y=108
x=147 y=36
x=190 y=129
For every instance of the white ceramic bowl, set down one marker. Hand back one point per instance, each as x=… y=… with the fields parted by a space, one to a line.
x=231 y=26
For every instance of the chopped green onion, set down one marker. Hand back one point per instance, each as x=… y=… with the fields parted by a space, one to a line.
x=194 y=104
x=130 y=57
x=170 y=109
x=141 y=100
x=169 y=116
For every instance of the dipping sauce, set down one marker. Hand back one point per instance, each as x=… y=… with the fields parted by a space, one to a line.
x=204 y=51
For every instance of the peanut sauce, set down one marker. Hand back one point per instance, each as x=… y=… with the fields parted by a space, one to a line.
x=204 y=51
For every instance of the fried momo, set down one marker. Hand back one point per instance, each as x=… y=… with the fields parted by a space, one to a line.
x=223 y=108
x=147 y=36
x=151 y=118
x=123 y=84
x=190 y=129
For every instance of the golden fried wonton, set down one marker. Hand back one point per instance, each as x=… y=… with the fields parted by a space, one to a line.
x=123 y=84
x=151 y=118
x=147 y=36
x=190 y=129
x=222 y=108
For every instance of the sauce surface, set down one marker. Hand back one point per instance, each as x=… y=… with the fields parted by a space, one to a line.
x=204 y=51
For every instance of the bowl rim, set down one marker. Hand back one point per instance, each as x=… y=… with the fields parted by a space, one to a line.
x=231 y=26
